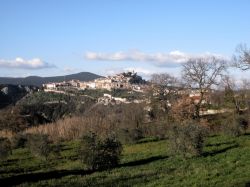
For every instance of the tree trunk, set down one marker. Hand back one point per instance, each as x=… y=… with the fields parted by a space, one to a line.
x=198 y=105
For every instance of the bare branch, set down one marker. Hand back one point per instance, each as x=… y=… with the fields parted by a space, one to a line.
x=203 y=73
x=242 y=58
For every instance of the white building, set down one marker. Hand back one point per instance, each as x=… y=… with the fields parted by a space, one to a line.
x=50 y=86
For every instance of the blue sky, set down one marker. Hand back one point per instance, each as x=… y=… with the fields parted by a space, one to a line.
x=56 y=37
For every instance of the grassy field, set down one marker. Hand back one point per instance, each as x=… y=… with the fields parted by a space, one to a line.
x=225 y=162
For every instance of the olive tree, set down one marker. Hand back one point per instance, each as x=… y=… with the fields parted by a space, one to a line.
x=100 y=153
x=187 y=138
x=203 y=73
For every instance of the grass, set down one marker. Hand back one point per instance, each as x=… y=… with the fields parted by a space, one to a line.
x=225 y=162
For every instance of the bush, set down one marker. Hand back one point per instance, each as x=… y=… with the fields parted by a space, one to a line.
x=56 y=149
x=243 y=123
x=5 y=148
x=19 y=140
x=156 y=129
x=39 y=145
x=100 y=153
x=130 y=136
x=187 y=139
x=235 y=125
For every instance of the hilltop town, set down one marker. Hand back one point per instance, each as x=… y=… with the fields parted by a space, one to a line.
x=129 y=82
x=126 y=80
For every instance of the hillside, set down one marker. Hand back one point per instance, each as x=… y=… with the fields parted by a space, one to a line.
x=20 y=109
x=10 y=94
x=38 y=81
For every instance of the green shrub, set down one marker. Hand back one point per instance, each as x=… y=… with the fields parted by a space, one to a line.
x=100 y=153
x=243 y=123
x=56 y=149
x=129 y=136
x=19 y=140
x=187 y=139
x=156 y=129
x=135 y=134
x=5 y=148
x=235 y=125
x=39 y=145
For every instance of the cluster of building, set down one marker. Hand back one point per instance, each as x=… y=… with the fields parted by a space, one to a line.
x=109 y=99
x=119 y=81
x=59 y=85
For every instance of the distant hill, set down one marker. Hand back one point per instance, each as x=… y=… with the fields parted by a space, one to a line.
x=38 y=81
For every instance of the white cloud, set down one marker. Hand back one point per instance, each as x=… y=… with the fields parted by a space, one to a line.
x=142 y=71
x=113 y=71
x=20 y=63
x=69 y=69
x=159 y=59
x=139 y=70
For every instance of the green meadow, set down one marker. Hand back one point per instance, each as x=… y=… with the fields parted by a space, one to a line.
x=225 y=162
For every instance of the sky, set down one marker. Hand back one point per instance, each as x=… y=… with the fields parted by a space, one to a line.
x=58 y=37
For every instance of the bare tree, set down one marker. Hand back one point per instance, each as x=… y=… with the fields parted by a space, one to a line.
x=241 y=59
x=164 y=84
x=245 y=84
x=203 y=73
x=236 y=94
x=230 y=91
x=163 y=92
x=244 y=94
